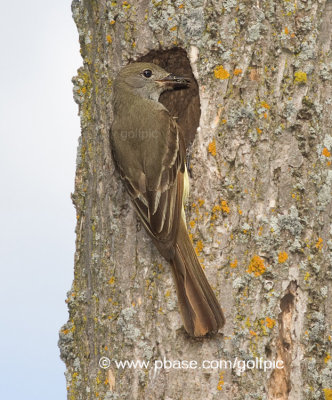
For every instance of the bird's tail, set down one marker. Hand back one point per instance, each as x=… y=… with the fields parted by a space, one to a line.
x=200 y=310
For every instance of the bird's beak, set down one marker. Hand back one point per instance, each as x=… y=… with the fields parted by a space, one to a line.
x=174 y=82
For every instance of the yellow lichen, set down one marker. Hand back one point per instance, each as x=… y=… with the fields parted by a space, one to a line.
x=256 y=266
x=212 y=148
x=282 y=257
x=300 y=77
x=221 y=73
x=327 y=358
x=327 y=393
x=109 y=39
x=112 y=280
x=192 y=224
x=126 y=5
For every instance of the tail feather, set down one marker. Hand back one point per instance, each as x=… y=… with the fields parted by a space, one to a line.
x=199 y=307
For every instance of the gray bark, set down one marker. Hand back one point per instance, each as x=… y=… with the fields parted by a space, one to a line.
x=259 y=210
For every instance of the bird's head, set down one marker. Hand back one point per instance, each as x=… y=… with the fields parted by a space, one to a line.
x=149 y=80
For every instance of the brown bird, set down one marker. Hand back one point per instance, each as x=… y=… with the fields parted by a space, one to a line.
x=149 y=151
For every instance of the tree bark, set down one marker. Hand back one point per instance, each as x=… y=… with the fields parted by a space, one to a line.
x=259 y=210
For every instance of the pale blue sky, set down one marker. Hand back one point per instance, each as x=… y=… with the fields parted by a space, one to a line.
x=39 y=128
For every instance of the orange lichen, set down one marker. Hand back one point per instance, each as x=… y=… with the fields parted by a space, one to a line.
x=224 y=206
x=325 y=152
x=199 y=247
x=201 y=202
x=286 y=31
x=269 y=322
x=256 y=266
x=221 y=381
x=282 y=257
x=223 y=121
x=174 y=28
x=212 y=148
x=221 y=73
x=319 y=244
x=265 y=105
x=237 y=71
x=233 y=264
x=192 y=224
x=327 y=358
x=252 y=333
x=112 y=280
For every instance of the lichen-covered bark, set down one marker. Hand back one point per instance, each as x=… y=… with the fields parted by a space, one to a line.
x=259 y=212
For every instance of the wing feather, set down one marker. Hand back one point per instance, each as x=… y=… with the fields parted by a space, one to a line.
x=158 y=200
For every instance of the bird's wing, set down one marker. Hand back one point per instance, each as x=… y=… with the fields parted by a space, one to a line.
x=157 y=193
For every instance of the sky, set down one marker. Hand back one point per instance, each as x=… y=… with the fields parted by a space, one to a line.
x=39 y=130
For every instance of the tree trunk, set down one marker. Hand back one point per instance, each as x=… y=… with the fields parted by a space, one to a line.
x=259 y=211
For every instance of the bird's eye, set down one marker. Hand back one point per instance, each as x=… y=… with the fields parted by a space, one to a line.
x=147 y=73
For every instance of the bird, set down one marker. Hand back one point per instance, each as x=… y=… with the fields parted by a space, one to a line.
x=149 y=152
